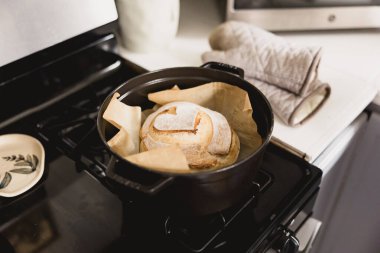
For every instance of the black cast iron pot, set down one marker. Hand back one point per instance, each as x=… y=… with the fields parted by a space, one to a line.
x=200 y=193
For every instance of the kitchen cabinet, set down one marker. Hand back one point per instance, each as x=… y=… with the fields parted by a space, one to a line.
x=348 y=203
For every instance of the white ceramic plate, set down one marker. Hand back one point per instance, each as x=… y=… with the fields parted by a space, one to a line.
x=22 y=162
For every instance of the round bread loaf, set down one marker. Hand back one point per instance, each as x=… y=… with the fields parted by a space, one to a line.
x=204 y=136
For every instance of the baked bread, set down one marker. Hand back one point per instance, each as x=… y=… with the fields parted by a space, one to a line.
x=204 y=136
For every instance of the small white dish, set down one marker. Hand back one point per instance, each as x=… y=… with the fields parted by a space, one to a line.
x=22 y=162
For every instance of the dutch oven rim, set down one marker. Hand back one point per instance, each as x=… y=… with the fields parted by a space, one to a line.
x=178 y=174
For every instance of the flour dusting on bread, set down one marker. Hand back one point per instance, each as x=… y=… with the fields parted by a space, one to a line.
x=203 y=135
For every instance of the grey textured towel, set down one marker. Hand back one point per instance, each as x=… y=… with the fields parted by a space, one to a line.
x=286 y=73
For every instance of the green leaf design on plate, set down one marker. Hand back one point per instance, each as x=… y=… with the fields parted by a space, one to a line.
x=29 y=158
x=22 y=170
x=35 y=162
x=22 y=164
x=20 y=160
x=14 y=158
x=6 y=180
x=7 y=158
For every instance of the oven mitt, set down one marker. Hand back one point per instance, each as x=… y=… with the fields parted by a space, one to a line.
x=290 y=108
x=284 y=72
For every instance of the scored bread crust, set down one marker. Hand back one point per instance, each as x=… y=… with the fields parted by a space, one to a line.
x=204 y=136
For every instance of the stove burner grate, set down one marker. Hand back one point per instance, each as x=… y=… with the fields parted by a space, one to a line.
x=73 y=131
x=199 y=234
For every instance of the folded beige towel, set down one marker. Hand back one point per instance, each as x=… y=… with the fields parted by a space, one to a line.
x=286 y=73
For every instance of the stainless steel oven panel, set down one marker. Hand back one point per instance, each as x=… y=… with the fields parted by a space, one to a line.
x=323 y=18
x=300 y=242
x=307 y=234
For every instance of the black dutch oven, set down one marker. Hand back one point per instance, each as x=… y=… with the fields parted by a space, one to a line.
x=199 y=193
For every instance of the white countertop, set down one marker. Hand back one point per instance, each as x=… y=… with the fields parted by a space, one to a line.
x=350 y=64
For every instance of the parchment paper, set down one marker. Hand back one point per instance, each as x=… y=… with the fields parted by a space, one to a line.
x=162 y=159
x=229 y=100
x=128 y=120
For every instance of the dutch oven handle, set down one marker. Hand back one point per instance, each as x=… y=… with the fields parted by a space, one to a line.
x=151 y=189
x=224 y=67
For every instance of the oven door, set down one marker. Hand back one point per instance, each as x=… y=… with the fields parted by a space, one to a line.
x=283 y=15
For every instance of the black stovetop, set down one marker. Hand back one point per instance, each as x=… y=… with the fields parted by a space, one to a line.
x=75 y=208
